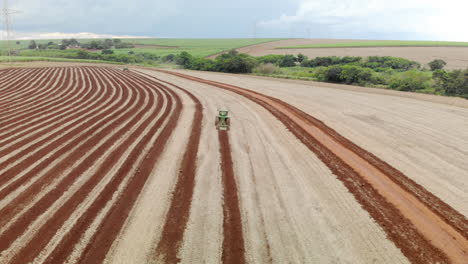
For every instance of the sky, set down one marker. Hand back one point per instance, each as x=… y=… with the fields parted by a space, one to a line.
x=339 y=19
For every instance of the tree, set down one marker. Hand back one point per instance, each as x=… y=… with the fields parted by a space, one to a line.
x=32 y=45
x=301 y=57
x=117 y=41
x=287 y=61
x=81 y=54
x=18 y=42
x=437 y=64
x=184 y=59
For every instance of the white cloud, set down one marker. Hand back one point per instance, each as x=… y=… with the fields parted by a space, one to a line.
x=61 y=35
x=439 y=20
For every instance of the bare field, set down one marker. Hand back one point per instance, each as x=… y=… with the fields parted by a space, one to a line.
x=456 y=57
x=100 y=165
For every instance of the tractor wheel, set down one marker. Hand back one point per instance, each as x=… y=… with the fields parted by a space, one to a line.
x=216 y=121
x=228 y=121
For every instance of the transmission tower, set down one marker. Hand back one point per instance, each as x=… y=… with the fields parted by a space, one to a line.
x=6 y=13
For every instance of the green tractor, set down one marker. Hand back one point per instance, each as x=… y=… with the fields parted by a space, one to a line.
x=222 y=121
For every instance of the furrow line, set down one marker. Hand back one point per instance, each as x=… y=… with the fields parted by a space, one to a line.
x=423 y=235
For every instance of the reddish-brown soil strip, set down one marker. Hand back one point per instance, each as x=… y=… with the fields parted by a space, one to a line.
x=98 y=121
x=35 y=87
x=60 y=95
x=233 y=243
x=21 y=78
x=36 y=105
x=14 y=77
x=58 y=137
x=102 y=240
x=22 y=116
x=49 y=228
x=108 y=124
x=399 y=229
x=179 y=210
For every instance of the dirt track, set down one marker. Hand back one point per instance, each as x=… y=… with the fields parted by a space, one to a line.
x=97 y=147
x=456 y=57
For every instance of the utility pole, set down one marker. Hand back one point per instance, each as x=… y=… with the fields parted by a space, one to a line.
x=255 y=30
x=6 y=13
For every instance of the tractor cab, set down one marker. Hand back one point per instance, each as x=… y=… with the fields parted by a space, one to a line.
x=222 y=121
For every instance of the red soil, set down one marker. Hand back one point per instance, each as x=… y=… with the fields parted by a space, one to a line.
x=233 y=243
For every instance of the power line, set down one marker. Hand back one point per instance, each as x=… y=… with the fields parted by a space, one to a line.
x=6 y=13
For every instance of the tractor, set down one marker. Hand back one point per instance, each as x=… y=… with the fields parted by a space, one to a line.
x=222 y=121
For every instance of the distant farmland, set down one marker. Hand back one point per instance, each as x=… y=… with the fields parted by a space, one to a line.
x=379 y=43
x=161 y=47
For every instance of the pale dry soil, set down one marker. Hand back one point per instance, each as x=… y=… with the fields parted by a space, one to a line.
x=456 y=57
x=423 y=136
x=293 y=208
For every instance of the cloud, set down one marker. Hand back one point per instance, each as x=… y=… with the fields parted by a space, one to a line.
x=61 y=35
x=410 y=19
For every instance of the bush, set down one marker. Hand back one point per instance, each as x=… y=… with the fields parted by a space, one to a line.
x=287 y=61
x=233 y=62
x=32 y=45
x=437 y=64
x=453 y=83
x=395 y=63
x=354 y=74
x=268 y=68
x=409 y=81
x=168 y=58
x=328 y=61
x=301 y=57
x=107 y=51
x=273 y=59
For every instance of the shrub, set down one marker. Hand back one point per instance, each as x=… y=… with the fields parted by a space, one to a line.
x=107 y=51
x=268 y=68
x=395 y=63
x=453 y=82
x=32 y=45
x=301 y=57
x=234 y=62
x=273 y=59
x=409 y=81
x=437 y=64
x=287 y=61
x=168 y=58
x=354 y=74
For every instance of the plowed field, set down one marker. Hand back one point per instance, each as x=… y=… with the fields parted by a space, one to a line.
x=98 y=165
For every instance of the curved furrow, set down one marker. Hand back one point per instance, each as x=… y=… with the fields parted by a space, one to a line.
x=178 y=214
x=26 y=91
x=21 y=85
x=19 y=77
x=48 y=88
x=426 y=229
x=64 y=137
x=93 y=156
x=31 y=109
x=50 y=118
x=108 y=230
x=140 y=130
x=75 y=138
x=7 y=75
x=18 y=123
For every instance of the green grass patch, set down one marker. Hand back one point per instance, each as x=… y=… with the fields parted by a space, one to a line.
x=4 y=59
x=382 y=43
x=196 y=47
